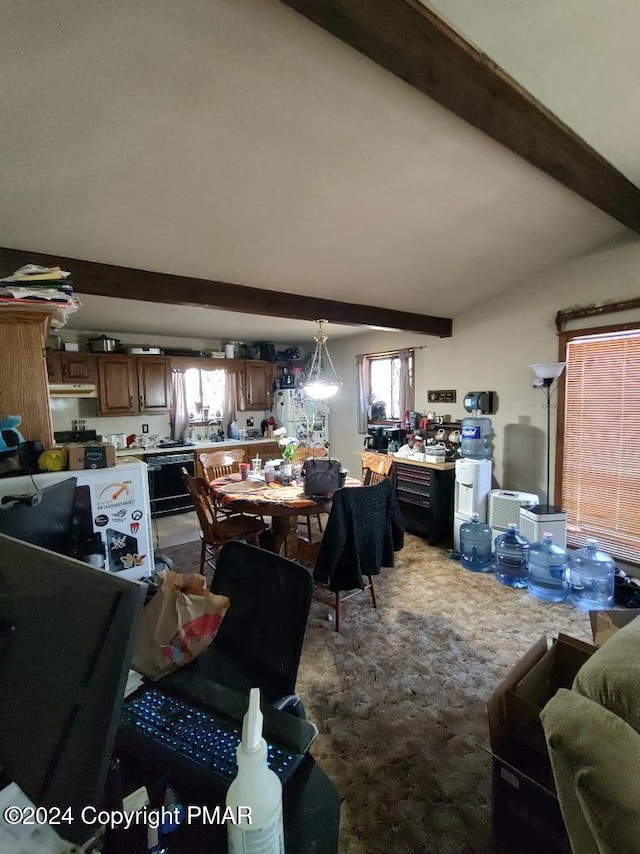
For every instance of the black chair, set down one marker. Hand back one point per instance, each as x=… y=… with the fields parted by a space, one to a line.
x=260 y=640
x=364 y=529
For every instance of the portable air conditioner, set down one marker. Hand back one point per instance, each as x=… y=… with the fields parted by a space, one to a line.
x=504 y=507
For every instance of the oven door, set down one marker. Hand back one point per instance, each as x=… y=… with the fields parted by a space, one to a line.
x=167 y=492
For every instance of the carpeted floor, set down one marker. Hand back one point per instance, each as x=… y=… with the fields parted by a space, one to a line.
x=399 y=698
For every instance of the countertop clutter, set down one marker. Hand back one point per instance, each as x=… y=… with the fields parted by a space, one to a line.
x=196 y=447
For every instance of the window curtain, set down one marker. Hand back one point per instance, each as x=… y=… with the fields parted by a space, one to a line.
x=179 y=411
x=362 y=416
x=406 y=386
x=230 y=400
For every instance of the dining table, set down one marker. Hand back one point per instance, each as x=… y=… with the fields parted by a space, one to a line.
x=283 y=503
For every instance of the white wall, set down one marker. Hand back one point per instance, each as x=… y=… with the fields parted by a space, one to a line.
x=491 y=349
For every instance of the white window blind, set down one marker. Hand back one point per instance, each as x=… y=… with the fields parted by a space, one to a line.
x=601 y=455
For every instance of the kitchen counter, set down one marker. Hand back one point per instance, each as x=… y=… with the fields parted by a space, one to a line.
x=196 y=447
x=412 y=462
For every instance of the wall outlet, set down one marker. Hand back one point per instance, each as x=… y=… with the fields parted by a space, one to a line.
x=145 y=428
x=249 y=422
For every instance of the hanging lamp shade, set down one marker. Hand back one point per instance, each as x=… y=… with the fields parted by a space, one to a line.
x=321 y=381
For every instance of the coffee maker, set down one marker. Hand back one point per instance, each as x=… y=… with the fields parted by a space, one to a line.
x=376 y=440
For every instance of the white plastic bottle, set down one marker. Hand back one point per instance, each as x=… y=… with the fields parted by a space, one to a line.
x=256 y=788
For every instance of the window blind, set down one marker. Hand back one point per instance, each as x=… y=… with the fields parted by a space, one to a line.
x=601 y=452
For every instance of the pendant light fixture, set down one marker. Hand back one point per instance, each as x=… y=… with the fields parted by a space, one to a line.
x=321 y=381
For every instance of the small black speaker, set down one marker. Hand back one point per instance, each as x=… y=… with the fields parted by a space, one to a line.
x=28 y=454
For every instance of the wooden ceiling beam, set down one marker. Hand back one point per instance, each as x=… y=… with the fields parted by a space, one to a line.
x=411 y=42
x=106 y=280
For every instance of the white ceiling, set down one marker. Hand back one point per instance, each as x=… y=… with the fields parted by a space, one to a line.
x=235 y=140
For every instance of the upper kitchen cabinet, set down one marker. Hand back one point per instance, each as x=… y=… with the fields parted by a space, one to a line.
x=154 y=384
x=64 y=367
x=255 y=384
x=129 y=385
x=24 y=389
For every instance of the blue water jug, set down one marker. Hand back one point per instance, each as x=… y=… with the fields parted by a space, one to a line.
x=475 y=438
x=511 y=557
x=547 y=566
x=591 y=577
x=475 y=545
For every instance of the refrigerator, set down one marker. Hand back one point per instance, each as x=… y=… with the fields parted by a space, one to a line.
x=112 y=503
x=304 y=418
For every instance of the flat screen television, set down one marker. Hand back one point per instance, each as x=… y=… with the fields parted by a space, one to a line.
x=66 y=638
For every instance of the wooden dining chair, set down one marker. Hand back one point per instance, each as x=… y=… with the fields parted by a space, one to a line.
x=218 y=464
x=375 y=467
x=299 y=456
x=215 y=532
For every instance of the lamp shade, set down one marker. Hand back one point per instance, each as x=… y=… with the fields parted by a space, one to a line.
x=548 y=370
x=321 y=381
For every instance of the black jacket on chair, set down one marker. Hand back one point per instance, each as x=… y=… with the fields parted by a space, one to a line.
x=364 y=529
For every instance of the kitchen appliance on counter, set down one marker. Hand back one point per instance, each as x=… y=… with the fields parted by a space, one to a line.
x=104 y=344
x=379 y=436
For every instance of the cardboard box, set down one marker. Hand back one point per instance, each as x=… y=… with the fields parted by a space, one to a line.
x=525 y=814
x=91 y=455
x=525 y=809
x=604 y=624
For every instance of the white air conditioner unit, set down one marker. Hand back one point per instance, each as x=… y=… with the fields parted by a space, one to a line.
x=504 y=507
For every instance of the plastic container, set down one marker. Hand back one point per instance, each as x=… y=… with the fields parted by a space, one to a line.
x=475 y=438
x=547 y=566
x=591 y=577
x=475 y=545
x=511 y=557
x=256 y=788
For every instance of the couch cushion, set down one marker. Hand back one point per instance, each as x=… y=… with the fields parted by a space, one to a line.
x=595 y=758
x=611 y=677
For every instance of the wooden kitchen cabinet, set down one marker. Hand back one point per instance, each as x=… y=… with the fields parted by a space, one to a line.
x=129 y=385
x=24 y=389
x=154 y=384
x=64 y=367
x=117 y=385
x=255 y=385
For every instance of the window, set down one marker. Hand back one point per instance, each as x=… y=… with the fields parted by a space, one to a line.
x=385 y=386
x=205 y=393
x=599 y=465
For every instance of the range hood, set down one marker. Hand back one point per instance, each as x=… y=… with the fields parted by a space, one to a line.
x=72 y=390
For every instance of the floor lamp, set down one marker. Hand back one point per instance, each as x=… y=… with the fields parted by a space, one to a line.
x=545 y=376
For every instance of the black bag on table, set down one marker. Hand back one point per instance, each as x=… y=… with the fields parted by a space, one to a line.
x=322 y=476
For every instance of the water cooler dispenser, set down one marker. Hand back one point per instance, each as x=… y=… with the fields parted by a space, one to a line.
x=471 y=490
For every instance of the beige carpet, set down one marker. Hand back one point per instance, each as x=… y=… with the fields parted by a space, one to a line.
x=399 y=698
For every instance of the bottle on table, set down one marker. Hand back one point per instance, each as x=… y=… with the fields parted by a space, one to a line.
x=511 y=557
x=475 y=545
x=591 y=577
x=257 y=788
x=547 y=565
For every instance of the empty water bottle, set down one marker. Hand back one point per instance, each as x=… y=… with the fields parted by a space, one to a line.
x=475 y=545
x=475 y=438
x=547 y=570
x=591 y=577
x=511 y=557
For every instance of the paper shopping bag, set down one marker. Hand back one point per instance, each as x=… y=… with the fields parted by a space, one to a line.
x=178 y=624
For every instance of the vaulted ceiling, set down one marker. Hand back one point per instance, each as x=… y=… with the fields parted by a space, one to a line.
x=237 y=141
